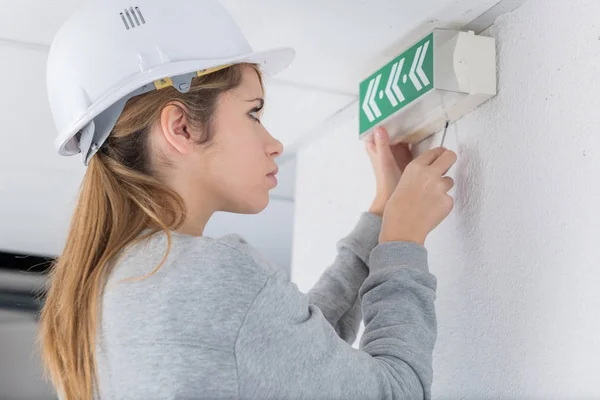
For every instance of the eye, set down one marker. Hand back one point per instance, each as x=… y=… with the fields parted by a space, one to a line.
x=254 y=114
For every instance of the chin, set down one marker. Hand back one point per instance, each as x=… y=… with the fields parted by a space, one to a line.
x=252 y=206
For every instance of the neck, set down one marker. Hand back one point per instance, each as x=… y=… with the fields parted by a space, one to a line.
x=200 y=201
x=195 y=222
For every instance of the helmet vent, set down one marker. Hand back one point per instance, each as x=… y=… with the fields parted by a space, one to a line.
x=132 y=17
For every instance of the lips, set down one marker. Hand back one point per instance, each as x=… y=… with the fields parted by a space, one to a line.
x=272 y=177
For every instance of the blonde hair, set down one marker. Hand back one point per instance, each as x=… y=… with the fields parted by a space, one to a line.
x=120 y=196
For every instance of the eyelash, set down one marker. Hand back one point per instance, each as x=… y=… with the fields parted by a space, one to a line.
x=256 y=110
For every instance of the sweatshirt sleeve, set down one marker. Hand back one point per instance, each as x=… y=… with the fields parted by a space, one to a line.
x=336 y=291
x=286 y=348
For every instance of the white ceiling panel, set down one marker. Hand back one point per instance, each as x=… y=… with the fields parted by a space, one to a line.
x=33 y=21
x=339 y=42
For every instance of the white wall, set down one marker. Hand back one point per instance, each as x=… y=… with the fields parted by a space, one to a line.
x=517 y=260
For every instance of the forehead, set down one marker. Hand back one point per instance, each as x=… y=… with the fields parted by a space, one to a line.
x=250 y=87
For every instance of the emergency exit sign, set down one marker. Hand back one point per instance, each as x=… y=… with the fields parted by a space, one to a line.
x=396 y=85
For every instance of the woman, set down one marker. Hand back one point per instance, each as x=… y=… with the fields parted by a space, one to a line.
x=141 y=304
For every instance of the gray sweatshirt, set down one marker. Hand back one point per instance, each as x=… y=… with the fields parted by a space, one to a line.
x=218 y=321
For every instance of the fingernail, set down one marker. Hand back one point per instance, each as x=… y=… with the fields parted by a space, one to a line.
x=379 y=132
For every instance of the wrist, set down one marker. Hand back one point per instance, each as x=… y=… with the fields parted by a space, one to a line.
x=404 y=235
x=377 y=207
x=400 y=238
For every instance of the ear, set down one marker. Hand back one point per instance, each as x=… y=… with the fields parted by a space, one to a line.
x=176 y=129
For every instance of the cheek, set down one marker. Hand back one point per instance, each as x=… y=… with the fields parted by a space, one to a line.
x=238 y=166
x=238 y=178
x=237 y=157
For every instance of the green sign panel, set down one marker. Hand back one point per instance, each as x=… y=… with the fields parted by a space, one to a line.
x=397 y=84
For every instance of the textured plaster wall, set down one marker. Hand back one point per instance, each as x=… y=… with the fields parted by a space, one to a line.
x=518 y=260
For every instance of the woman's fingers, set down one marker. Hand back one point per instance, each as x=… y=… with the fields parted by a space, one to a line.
x=430 y=156
x=448 y=183
x=444 y=162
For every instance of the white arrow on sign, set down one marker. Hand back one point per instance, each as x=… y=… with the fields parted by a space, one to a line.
x=417 y=66
x=392 y=84
x=365 y=105
x=420 y=71
x=369 y=102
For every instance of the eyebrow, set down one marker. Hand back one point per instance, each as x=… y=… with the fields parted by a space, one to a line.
x=262 y=101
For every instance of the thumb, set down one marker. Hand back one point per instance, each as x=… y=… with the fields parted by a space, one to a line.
x=382 y=145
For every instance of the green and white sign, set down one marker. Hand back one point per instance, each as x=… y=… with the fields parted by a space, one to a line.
x=396 y=85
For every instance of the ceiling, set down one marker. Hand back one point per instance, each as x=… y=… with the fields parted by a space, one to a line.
x=338 y=42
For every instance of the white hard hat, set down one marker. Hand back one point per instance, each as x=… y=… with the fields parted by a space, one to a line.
x=109 y=51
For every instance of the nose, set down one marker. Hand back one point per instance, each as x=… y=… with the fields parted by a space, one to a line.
x=274 y=147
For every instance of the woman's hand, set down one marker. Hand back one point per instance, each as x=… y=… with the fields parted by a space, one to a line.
x=421 y=201
x=388 y=164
